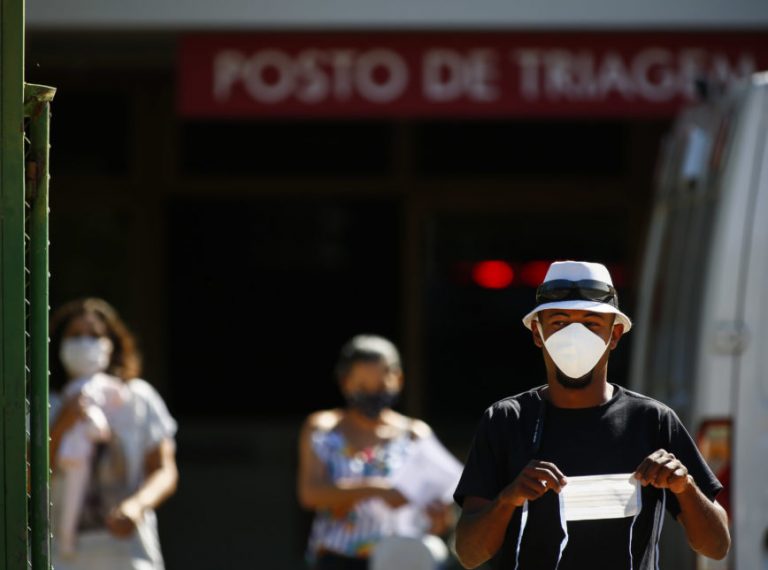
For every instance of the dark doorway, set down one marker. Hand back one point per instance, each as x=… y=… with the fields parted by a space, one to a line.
x=263 y=292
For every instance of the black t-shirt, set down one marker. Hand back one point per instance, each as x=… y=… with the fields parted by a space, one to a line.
x=611 y=438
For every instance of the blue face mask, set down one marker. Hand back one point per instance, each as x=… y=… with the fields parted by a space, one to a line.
x=371 y=404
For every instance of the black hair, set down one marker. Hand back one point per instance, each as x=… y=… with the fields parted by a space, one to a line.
x=367 y=348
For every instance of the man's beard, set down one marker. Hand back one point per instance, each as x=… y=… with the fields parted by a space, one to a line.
x=574 y=383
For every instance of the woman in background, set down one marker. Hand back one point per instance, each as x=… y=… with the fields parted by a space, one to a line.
x=132 y=470
x=349 y=459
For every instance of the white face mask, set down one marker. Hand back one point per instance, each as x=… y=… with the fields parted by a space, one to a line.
x=592 y=497
x=85 y=355
x=575 y=349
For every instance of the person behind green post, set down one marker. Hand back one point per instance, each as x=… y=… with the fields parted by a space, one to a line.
x=96 y=373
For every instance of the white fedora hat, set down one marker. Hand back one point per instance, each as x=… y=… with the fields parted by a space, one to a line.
x=578 y=285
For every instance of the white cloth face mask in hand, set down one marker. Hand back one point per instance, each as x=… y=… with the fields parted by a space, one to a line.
x=575 y=349
x=600 y=497
x=593 y=497
x=85 y=355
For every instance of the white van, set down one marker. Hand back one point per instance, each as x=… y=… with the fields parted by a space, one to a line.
x=701 y=341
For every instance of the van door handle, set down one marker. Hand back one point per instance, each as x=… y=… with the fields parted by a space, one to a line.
x=730 y=337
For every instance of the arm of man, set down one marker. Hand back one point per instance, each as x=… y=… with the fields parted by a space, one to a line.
x=704 y=520
x=483 y=523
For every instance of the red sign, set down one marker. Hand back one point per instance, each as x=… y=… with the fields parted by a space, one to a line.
x=430 y=74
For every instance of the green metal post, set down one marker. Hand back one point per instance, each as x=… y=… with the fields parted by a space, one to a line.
x=37 y=107
x=13 y=460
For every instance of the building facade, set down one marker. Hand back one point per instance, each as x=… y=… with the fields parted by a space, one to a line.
x=253 y=183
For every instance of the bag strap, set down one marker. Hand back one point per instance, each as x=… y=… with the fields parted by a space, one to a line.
x=538 y=427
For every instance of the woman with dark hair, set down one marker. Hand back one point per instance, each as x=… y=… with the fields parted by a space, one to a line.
x=352 y=461
x=104 y=413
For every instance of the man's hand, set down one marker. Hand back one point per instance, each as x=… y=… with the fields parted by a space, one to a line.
x=534 y=480
x=663 y=470
x=704 y=520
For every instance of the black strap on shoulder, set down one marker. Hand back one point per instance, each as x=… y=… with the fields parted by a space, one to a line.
x=538 y=427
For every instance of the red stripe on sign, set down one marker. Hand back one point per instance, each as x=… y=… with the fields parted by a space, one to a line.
x=438 y=74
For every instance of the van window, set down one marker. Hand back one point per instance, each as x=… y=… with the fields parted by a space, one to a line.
x=688 y=196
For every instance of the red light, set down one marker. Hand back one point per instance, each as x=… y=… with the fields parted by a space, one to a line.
x=533 y=272
x=493 y=274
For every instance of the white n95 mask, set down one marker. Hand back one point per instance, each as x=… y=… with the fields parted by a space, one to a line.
x=575 y=349
x=85 y=355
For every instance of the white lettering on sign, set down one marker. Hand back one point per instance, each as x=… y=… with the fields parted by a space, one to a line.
x=448 y=75
x=380 y=76
x=269 y=76
x=653 y=74
x=529 y=61
x=342 y=79
x=315 y=83
x=723 y=72
x=394 y=69
x=311 y=76
x=227 y=69
x=612 y=75
x=652 y=69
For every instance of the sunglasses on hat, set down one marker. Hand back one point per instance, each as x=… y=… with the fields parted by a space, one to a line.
x=584 y=289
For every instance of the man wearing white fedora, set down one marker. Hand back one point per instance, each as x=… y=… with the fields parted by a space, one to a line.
x=577 y=473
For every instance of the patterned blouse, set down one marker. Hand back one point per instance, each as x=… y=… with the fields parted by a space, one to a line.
x=355 y=532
